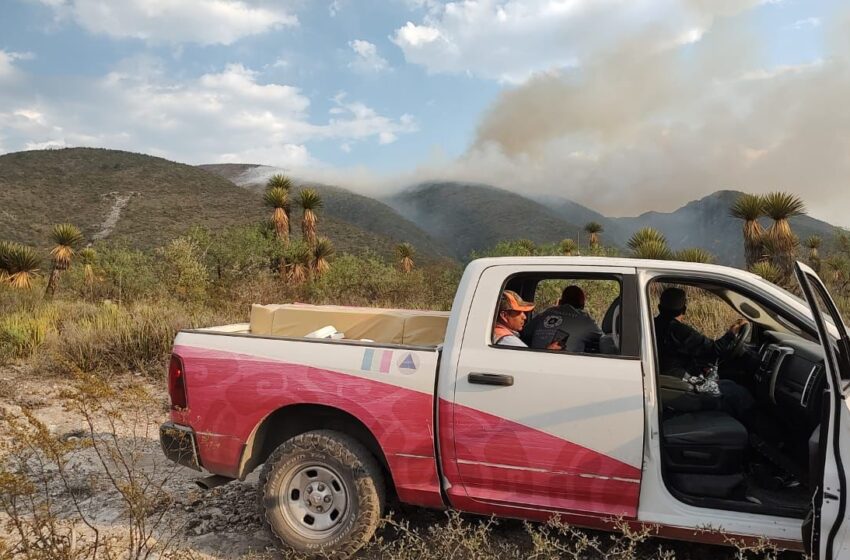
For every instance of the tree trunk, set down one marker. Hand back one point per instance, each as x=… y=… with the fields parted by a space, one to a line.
x=52 y=281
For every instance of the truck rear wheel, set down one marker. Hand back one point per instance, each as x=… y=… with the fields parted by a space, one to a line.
x=322 y=492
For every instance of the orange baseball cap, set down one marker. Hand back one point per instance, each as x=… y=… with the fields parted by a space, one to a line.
x=512 y=302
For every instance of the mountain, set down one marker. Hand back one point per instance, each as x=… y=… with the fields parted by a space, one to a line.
x=364 y=212
x=468 y=217
x=143 y=200
x=707 y=223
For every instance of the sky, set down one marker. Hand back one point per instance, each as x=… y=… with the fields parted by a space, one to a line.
x=622 y=105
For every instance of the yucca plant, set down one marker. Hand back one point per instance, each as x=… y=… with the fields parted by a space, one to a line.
x=23 y=265
x=593 y=229
x=88 y=256
x=652 y=249
x=405 y=253
x=6 y=248
x=568 y=247
x=279 y=182
x=278 y=199
x=768 y=271
x=813 y=244
x=644 y=235
x=309 y=201
x=66 y=238
x=780 y=207
x=750 y=208
x=526 y=247
x=299 y=259
x=695 y=255
x=322 y=252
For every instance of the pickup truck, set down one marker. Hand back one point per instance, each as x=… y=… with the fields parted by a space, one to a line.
x=424 y=408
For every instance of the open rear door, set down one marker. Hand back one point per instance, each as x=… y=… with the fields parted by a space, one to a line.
x=826 y=530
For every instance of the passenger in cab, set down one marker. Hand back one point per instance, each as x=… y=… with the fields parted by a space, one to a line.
x=684 y=352
x=568 y=318
x=511 y=319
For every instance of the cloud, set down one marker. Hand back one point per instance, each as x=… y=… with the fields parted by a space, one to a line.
x=807 y=23
x=228 y=115
x=8 y=69
x=366 y=59
x=510 y=40
x=205 y=22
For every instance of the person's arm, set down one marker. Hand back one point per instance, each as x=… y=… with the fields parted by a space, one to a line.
x=696 y=344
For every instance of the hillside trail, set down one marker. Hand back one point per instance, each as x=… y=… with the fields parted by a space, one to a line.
x=219 y=524
x=119 y=202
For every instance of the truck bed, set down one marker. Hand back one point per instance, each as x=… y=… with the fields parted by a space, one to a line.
x=238 y=381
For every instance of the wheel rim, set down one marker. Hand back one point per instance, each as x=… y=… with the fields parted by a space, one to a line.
x=314 y=501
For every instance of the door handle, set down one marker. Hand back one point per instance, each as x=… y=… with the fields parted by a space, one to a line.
x=491 y=379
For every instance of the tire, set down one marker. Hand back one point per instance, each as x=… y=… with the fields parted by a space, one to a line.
x=322 y=493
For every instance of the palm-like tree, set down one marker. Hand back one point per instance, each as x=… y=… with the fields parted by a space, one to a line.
x=6 y=248
x=526 y=247
x=279 y=181
x=568 y=247
x=309 y=201
x=88 y=256
x=405 y=252
x=323 y=250
x=299 y=260
x=593 y=229
x=813 y=243
x=781 y=207
x=750 y=208
x=278 y=199
x=66 y=238
x=695 y=255
x=20 y=263
x=768 y=271
x=653 y=249
x=644 y=235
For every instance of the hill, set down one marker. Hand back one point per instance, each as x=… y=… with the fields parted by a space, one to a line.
x=707 y=223
x=468 y=217
x=364 y=212
x=141 y=199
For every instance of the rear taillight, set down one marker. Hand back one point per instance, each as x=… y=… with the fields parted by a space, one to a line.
x=177 y=382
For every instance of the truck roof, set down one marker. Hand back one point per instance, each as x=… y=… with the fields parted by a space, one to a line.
x=645 y=264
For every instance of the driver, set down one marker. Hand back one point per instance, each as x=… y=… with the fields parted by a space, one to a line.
x=683 y=349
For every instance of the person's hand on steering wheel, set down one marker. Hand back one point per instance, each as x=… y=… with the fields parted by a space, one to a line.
x=736 y=326
x=741 y=329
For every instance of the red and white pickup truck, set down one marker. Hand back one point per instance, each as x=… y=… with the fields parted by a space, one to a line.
x=430 y=411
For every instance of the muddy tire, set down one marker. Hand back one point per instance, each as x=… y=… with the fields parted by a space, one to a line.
x=322 y=493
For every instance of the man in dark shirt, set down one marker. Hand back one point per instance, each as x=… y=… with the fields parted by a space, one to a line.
x=684 y=350
x=566 y=318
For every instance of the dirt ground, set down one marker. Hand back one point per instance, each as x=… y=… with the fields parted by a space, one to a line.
x=221 y=524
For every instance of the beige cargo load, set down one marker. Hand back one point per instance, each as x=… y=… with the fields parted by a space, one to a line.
x=389 y=326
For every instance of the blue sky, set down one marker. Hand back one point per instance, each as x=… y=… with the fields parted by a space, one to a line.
x=614 y=103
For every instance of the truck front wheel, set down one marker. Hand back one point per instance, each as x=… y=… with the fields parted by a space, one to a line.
x=322 y=493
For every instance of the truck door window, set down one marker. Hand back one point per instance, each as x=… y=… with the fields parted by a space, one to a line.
x=579 y=315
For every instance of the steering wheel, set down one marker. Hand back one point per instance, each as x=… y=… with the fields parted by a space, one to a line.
x=741 y=339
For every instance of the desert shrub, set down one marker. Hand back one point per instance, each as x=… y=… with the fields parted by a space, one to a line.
x=108 y=338
x=236 y=254
x=182 y=270
x=51 y=506
x=371 y=281
x=121 y=274
x=23 y=332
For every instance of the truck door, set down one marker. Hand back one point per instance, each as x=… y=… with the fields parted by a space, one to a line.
x=546 y=431
x=826 y=532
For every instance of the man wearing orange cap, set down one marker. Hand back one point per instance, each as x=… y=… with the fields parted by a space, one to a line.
x=511 y=319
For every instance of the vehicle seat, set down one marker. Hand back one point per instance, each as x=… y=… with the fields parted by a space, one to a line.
x=611 y=326
x=706 y=442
